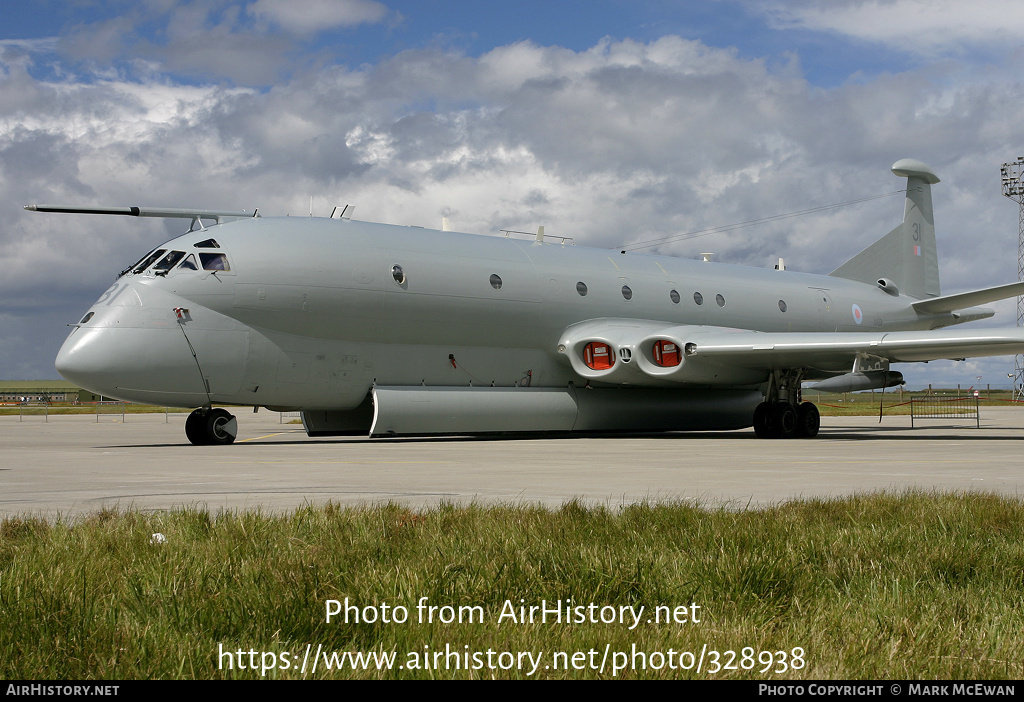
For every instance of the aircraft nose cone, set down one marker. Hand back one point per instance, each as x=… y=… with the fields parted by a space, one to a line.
x=145 y=365
x=84 y=360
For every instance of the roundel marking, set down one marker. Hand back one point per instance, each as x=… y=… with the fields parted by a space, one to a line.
x=598 y=356
x=858 y=316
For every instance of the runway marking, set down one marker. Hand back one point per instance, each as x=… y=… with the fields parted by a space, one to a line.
x=783 y=460
x=314 y=463
x=267 y=436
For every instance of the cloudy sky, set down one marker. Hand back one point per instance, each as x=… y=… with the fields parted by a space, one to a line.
x=610 y=121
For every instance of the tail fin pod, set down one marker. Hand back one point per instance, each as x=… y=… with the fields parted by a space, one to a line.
x=906 y=255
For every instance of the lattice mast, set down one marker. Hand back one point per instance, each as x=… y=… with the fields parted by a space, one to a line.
x=1013 y=188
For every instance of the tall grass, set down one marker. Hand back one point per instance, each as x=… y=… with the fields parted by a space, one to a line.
x=912 y=585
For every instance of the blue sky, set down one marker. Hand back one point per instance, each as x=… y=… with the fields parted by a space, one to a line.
x=613 y=122
x=468 y=27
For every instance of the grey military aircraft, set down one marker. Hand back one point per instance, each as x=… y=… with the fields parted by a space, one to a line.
x=391 y=330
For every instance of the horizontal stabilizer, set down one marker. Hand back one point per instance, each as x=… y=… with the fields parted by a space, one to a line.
x=183 y=213
x=951 y=303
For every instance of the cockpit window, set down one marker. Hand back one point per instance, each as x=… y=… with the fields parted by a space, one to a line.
x=137 y=263
x=214 y=262
x=189 y=263
x=168 y=261
x=207 y=244
x=148 y=260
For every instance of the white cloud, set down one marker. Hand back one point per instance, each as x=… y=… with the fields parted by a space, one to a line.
x=913 y=26
x=308 y=16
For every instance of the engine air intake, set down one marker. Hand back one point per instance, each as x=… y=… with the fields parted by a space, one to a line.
x=598 y=356
x=666 y=353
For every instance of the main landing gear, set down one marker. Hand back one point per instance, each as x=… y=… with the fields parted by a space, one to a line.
x=779 y=420
x=208 y=427
x=782 y=415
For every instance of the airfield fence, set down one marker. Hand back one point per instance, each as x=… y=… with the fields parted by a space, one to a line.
x=933 y=407
x=103 y=408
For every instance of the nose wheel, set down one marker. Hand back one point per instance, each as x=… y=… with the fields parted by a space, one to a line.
x=210 y=427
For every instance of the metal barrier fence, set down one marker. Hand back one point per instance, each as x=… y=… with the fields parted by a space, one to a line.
x=104 y=408
x=289 y=415
x=945 y=408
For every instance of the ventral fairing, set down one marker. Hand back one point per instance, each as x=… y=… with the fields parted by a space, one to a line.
x=389 y=330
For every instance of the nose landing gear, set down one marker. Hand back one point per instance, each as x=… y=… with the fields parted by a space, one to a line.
x=210 y=427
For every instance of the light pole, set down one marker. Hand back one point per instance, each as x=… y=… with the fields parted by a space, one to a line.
x=1013 y=188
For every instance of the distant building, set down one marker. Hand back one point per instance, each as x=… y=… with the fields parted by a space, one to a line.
x=13 y=391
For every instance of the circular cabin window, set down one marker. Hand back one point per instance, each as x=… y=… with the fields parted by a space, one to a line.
x=698 y=298
x=581 y=288
x=720 y=300
x=627 y=293
x=782 y=305
x=398 y=274
x=674 y=296
x=495 y=281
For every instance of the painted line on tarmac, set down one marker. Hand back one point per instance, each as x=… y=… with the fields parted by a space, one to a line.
x=331 y=463
x=267 y=436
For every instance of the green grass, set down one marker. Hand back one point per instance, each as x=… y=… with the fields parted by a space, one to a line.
x=884 y=586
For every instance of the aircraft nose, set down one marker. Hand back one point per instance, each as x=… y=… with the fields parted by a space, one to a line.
x=134 y=363
x=81 y=360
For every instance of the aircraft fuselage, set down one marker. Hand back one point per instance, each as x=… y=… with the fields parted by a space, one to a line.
x=313 y=312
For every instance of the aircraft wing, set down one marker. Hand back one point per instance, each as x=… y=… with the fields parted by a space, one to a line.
x=780 y=350
x=645 y=352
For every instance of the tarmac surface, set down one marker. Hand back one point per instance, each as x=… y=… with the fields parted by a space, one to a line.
x=68 y=466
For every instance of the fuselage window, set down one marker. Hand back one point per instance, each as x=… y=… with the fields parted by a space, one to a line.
x=698 y=298
x=495 y=281
x=581 y=288
x=782 y=305
x=214 y=262
x=720 y=300
x=168 y=261
x=398 y=274
x=148 y=261
x=674 y=296
x=627 y=293
x=207 y=244
x=189 y=263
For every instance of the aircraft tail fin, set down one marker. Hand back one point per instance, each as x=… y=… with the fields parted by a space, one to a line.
x=906 y=256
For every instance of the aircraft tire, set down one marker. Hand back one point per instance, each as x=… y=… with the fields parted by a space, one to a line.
x=808 y=420
x=785 y=420
x=764 y=424
x=220 y=427
x=195 y=428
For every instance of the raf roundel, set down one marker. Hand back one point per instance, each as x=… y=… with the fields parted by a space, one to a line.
x=858 y=316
